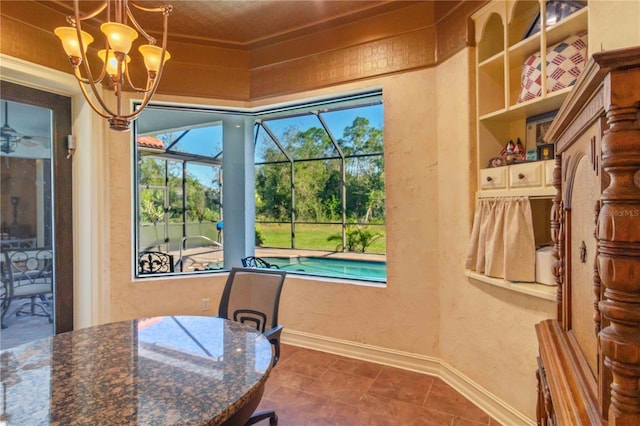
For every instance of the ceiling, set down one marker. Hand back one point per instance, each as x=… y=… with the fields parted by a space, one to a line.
x=246 y=23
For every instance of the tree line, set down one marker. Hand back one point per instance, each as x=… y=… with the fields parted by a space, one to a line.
x=318 y=177
x=317 y=181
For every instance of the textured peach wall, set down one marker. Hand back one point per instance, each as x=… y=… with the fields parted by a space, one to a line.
x=428 y=307
x=356 y=313
x=485 y=332
x=405 y=315
x=613 y=24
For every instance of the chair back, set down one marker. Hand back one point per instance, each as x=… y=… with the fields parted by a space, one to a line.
x=257 y=262
x=252 y=297
x=19 y=243
x=29 y=271
x=155 y=262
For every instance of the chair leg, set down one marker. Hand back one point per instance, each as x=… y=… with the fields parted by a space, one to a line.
x=32 y=305
x=5 y=308
x=257 y=417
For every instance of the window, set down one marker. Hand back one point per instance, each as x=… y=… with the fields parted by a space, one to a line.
x=320 y=195
x=179 y=194
x=318 y=183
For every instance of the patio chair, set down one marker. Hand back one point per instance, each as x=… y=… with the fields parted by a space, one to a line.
x=257 y=262
x=252 y=297
x=27 y=275
x=155 y=262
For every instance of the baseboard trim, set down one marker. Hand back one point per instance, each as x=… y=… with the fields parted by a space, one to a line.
x=485 y=400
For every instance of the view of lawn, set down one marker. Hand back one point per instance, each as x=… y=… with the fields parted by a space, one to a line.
x=312 y=237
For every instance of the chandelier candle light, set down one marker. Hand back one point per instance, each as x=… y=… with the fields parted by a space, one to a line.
x=115 y=56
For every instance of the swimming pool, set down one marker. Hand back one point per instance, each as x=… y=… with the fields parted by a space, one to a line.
x=330 y=267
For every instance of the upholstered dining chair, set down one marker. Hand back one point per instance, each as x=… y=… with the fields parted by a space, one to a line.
x=252 y=296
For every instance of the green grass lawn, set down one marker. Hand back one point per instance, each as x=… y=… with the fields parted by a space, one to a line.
x=312 y=237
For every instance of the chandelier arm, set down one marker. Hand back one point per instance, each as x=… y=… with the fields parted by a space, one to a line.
x=137 y=89
x=93 y=106
x=94 y=90
x=148 y=94
x=137 y=111
x=71 y=19
x=150 y=39
x=165 y=10
x=78 y=76
x=145 y=101
x=87 y=69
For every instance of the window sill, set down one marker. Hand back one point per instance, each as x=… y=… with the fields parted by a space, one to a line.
x=542 y=291
x=338 y=280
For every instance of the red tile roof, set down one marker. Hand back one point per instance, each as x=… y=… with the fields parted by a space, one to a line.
x=150 y=142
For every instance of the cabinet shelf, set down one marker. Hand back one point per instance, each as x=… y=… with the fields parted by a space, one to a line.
x=492 y=60
x=502 y=49
x=551 y=101
x=525 y=48
x=538 y=290
x=572 y=24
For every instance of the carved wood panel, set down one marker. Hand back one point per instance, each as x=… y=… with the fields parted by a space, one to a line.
x=596 y=216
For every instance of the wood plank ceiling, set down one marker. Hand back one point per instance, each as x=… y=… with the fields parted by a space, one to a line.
x=249 y=23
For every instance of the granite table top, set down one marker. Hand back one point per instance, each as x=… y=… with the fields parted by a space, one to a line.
x=152 y=371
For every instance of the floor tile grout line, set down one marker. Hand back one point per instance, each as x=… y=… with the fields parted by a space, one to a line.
x=371 y=384
x=424 y=401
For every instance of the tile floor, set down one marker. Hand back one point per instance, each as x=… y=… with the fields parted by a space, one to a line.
x=309 y=387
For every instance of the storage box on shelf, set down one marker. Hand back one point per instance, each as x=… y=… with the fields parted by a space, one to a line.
x=503 y=44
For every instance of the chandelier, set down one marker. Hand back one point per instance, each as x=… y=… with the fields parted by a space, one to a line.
x=119 y=36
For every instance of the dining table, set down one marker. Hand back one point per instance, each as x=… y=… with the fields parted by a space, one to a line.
x=166 y=370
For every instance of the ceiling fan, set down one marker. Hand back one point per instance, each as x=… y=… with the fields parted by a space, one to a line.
x=10 y=138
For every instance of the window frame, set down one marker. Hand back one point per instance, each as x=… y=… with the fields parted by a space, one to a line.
x=266 y=114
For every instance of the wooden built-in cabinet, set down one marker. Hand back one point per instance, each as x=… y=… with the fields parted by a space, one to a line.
x=589 y=363
x=502 y=46
x=500 y=53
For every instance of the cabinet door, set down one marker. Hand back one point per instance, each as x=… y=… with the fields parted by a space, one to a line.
x=581 y=260
x=582 y=195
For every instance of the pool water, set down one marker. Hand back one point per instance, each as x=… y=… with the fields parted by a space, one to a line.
x=341 y=268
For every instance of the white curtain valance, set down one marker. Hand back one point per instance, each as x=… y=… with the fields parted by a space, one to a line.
x=502 y=242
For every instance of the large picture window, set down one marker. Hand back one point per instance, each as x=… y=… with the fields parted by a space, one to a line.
x=320 y=193
x=318 y=184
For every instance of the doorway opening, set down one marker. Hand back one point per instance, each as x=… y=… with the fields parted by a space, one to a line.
x=36 y=290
